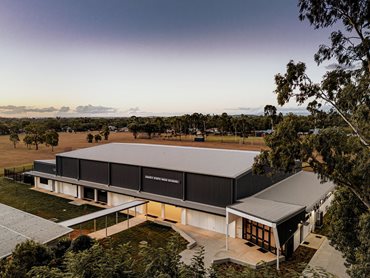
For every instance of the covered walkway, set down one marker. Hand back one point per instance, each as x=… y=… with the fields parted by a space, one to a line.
x=107 y=231
x=117 y=228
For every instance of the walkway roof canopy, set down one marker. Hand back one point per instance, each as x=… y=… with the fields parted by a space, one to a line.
x=270 y=211
x=301 y=191
x=17 y=226
x=101 y=213
x=207 y=161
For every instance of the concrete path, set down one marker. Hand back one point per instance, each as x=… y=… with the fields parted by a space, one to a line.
x=329 y=259
x=215 y=248
x=118 y=227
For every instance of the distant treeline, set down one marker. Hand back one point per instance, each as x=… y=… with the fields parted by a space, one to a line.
x=185 y=124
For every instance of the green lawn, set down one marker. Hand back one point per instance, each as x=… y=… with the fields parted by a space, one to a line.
x=154 y=234
x=47 y=206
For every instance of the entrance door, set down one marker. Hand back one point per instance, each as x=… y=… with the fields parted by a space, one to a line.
x=259 y=234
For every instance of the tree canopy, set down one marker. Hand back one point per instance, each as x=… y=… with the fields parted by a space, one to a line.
x=337 y=153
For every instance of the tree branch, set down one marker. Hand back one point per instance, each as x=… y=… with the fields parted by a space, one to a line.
x=362 y=139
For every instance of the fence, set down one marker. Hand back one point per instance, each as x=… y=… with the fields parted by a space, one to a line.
x=19 y=174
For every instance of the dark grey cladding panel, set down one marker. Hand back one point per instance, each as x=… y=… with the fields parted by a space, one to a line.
x=58 y=161
x=126 y=176
x=44 y=167
x=209 y=190
x=94 y=171
x=162 y=182
x=251 y=184
x=69 y=167
x=287 y=228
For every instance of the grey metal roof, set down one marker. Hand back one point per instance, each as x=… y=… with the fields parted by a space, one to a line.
x=216 y=162
x=48 y=161
x=268 y=210
x=303 y=188
x=101 y=213
x=17 y=226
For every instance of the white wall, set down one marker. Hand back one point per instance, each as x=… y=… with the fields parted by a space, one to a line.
x=206 y=221
x=48 y=186
x=68 y=189
x=325 y=206
x=115 y=199
x=297 y=237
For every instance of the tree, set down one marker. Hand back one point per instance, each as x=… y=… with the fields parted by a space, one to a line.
x=81 y=243
x=36 y=133
x=224 y=123
x=97 y=138
x=149 y=128
x=25 y=256
x=270 y=112
x=105 y=132
x=344 y=224
x=14 y=138
x=245 y=126
x=51 y=139
x=89 y=138
x=27 y=141
x=337 y=153
x=134 y=128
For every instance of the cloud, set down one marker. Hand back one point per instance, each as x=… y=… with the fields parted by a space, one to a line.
x=91 y=109
x=133 y=110
x=260 y=110
x=64 y=109
x=13 y=109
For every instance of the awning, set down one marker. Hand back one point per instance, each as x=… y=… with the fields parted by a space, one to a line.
x=101 y=213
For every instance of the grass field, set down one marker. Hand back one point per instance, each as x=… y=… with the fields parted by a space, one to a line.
x=154 y=234
x=10 y=157
x=47 y=206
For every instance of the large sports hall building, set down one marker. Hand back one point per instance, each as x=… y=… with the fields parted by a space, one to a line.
x=211 y=189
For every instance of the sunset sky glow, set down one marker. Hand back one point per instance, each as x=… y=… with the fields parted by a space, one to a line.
x=163 y=57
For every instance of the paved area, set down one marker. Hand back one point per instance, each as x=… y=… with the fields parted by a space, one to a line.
x=329 y=259
x=118 y=227
x=313 y=241
x=215 y=248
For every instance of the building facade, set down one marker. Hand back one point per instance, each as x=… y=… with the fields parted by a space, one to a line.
x=207 y=188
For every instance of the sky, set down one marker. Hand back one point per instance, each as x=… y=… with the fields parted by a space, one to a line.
x=148 y=57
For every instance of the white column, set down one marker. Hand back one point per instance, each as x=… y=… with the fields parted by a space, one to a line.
x=227 y=230
x=184 y=219
x=95 y=195
x=80 y=190
x=277 y=245
x=313 y=219
x=109 y=197
x=163 y=211
x=143 y=209
x=36 y=182
x=56 y=186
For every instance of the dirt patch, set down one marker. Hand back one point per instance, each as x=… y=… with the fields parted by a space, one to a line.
x=10 y=157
